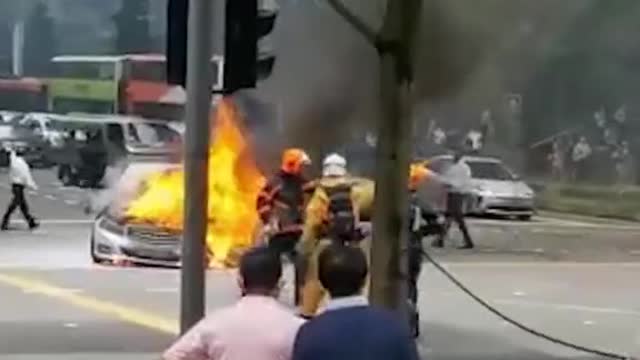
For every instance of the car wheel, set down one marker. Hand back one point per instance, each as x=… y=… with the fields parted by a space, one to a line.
x=524 y=217
x=65 y=176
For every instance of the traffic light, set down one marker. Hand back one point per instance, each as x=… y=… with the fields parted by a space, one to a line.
x=246 y=25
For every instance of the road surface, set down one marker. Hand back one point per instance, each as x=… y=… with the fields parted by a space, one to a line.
x=575 y=278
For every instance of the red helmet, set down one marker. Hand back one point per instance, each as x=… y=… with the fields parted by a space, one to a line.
x=417 y=174
x=293 y=160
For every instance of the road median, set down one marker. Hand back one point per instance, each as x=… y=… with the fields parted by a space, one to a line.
x=613 y=202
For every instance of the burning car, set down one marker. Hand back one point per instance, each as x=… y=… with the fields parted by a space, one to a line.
x=115 y=238
x=144 y=222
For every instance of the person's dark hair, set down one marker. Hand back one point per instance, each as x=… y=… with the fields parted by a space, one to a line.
x=20 y=151
x=457 y=156
x=260 y=269
x=342 y=270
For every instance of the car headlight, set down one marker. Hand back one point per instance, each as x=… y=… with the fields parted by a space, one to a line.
x=480 y=191
x=112 y=226
x=528 y=194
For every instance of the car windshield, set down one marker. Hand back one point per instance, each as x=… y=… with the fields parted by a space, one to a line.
x=150 y=134
x=489 y=170
x=6 y=131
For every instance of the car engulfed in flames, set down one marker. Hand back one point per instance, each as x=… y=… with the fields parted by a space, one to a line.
x=144 y=223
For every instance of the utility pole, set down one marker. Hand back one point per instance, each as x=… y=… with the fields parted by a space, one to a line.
x=196 y=159
x=394 y=43
x=390 y=220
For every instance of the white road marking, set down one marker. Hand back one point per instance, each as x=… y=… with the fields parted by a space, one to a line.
x=589 y=322
x=50 y=197
x=33 y=193
x=519 y=293
x=70 y=325
x=161 y=290
x=542 y=221
x=539 y=264
x=59 y=221
x=71 y=202
x=572 y=307
x=70 y=291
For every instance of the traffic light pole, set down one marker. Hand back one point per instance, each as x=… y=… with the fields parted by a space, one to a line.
x=389 y=265
x=199 y=51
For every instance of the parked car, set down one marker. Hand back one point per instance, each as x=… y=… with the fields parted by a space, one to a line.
x=40 y=125
x=9 y=117
x=114 y=238
x=496 y=189
x=119 y=139
x=36 y=151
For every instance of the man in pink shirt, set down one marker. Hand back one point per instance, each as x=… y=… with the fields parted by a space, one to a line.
x=257 y=327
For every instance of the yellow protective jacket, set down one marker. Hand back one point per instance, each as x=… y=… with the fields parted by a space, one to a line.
x=314 y=240
x=362 y=193
x=316 y=211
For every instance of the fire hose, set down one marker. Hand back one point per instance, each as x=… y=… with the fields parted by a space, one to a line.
x=527 y=329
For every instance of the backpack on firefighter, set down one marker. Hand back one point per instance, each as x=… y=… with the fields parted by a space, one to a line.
x=341 y=221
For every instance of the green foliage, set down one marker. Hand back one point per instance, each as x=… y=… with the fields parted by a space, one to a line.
x=593 y=63
x=132 y=26
x=611 y=202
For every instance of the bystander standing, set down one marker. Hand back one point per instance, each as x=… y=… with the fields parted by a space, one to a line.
x=350 y=329
x=256 y=327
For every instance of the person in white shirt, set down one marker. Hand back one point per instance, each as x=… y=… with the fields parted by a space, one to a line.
x=580 y=157
x=458 y=180
x=20 y=177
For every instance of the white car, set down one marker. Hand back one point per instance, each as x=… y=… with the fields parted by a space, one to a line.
x=114 y=238
x=497 y=190
x=40 y=124
x=8 y=117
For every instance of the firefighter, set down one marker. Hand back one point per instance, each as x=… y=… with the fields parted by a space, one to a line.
x=332 y=215
x=280 y=205
x=418 y=174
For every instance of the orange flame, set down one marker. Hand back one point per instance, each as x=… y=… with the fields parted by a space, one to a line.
x=234 y=183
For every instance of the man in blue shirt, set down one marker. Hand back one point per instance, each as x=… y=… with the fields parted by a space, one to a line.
x=350 y=329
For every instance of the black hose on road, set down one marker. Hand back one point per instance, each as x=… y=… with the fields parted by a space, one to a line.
x=448 y=275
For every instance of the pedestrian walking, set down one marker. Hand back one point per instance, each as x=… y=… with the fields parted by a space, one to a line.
x=256 y=327
x=458 y=179
x=580 y=156
x=349 y=328
x=20 y=178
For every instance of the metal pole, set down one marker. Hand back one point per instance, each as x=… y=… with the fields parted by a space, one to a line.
x=199 y=51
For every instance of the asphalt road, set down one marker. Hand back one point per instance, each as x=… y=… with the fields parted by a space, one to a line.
x=572 y=277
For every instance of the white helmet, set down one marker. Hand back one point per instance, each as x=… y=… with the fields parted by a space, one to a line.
x=334 y=165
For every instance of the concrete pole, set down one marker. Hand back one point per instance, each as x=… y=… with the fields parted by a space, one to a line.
x=199 y=51
x=390 y=219
x=17 y=51
x=392 y=166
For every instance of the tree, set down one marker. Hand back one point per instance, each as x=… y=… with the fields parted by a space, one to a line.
x=40 y=42
x=132 y=26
